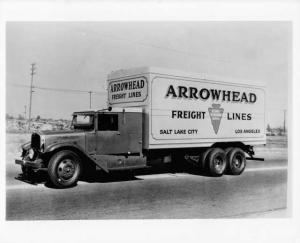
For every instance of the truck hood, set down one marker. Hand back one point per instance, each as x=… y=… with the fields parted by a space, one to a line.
x=50 y=132
x=51 y=138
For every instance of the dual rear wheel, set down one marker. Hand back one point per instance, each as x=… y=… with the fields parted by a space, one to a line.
x=218 y=161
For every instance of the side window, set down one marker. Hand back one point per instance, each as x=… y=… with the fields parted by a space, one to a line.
x=108 y=122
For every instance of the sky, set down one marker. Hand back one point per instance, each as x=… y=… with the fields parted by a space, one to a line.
x=80 y=55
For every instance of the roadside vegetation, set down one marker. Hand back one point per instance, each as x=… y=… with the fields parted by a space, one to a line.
x=20 y=124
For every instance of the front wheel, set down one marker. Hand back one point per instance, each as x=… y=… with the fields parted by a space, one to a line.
x=64 y=169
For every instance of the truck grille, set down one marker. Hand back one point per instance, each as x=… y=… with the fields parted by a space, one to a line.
x=35 y=141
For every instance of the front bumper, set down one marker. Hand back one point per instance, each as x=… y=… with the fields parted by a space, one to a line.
x=36 y=164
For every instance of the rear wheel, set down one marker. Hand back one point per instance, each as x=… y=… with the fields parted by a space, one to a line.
x=227 y=150
x=64 y=169
x=216 y=162
x=203 y=158
x=236 y=161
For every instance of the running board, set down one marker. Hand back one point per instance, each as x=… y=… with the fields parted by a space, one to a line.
x=253 y=158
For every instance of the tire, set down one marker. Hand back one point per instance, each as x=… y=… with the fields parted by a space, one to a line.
x=236 y=161
x=227 y=150
x=203 y=158
x=216 y=162
x=64 y=169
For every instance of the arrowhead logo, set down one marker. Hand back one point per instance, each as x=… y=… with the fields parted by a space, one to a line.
x=215 y=113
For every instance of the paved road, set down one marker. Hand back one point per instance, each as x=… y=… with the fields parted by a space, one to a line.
x=156 y=194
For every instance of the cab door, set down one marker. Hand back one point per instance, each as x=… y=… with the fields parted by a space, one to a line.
x=109 y=138
x=91 y=141
x=119 y=133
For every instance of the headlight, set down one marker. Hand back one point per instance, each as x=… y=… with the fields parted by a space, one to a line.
x=31 y=153
x=20 y=150
x=43 y=140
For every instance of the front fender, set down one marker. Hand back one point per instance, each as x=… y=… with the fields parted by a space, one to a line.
x=26 y=146
x=71 y=146
x=56 y=146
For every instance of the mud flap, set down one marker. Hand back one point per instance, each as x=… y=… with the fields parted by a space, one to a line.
x=254 y=158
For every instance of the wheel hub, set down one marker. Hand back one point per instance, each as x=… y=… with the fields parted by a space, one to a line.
x=218 y=163
x=66 y=169
x=237 y=162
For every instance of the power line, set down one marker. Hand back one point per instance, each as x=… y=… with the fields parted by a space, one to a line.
x=57 y=89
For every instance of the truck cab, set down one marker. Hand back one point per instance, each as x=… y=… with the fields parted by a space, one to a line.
x=104 y=138
x=114 y=132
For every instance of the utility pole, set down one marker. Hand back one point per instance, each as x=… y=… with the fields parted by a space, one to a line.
x=284 y=111
x=33 y=68
x=90 y=92
x=25 y=112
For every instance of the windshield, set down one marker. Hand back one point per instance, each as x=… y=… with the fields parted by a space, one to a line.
x=83 y=121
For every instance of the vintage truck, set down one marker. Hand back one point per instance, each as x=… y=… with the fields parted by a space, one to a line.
x=155 y=116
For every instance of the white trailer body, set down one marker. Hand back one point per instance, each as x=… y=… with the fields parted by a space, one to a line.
x=190 y=110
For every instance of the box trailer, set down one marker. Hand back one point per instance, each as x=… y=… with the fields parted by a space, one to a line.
x=156 y=116
x=183 y=110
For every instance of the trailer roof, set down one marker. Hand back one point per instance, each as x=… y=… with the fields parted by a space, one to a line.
x=113 y=109
x=121 y=73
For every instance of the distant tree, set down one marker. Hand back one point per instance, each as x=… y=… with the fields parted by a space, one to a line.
x=38 y=117
x=9 y=116
x=269 y=128
x=280 y=131
x=20 y=117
